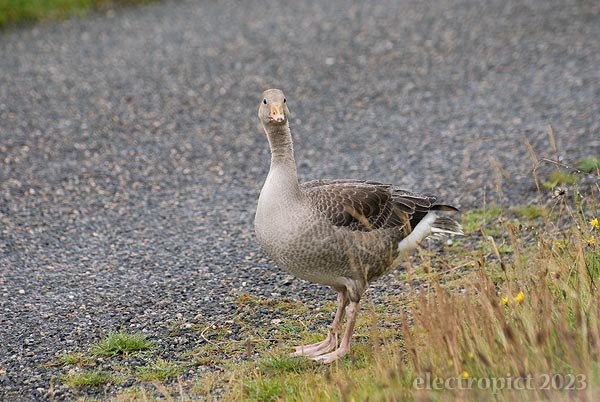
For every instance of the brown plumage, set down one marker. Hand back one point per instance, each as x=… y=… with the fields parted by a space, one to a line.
x=340 y=233
x=367 y=205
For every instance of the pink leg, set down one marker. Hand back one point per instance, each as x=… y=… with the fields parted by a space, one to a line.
x=331 y=341
x=345 y=345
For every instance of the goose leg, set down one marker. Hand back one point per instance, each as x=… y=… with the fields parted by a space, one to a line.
x=345 y=344
x=331 y=341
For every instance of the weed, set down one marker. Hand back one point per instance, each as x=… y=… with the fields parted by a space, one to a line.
x=74 y=359
x=473 y=220
x=89 y=379
x=264 y=389
x=560 y=177
x=159 y=371
x=589 y=165
x=121 y=343
x=280 y=364
x=206 y=384
x=531 y=212
x=133 y=394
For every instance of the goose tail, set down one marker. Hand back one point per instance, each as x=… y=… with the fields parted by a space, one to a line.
x=432 y=225
x=444 y=225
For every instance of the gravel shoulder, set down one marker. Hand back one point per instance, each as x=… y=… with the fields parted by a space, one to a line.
x=131 y=156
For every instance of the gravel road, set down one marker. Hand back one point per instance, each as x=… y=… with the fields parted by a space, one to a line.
x=131 y=156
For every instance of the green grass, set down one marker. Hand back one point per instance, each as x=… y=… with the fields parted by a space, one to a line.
x=267 y=389
x=351 y=378
x=158 y=371
x=89 y=379
x=73 y=359
x=589 y=165
x=562 y=177
x=121 y=343
x=286 y=364
x=531 y=212
x=474 y=219
x=19 y=11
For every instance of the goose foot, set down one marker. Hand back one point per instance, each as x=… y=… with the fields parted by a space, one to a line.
x=318 y=348
x=345 y=344
x=332 y=356
x=331 y=342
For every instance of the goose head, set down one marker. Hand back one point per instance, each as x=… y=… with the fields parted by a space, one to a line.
x=273 y=110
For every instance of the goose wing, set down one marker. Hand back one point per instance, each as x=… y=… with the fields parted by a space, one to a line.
x=367 y=205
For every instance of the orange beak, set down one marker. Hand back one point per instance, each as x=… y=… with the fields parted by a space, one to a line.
x=277 y=112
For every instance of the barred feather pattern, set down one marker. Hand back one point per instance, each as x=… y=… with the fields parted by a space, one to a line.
x=361 y=205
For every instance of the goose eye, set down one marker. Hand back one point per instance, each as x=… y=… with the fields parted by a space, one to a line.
x=265 y=101
x=283 y=100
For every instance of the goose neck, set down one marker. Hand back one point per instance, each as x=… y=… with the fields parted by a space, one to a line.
x=282 y=172
x=280 y=142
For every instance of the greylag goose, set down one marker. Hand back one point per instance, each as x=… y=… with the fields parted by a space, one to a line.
x=339 y=233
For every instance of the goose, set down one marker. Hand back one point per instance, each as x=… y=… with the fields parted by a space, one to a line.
x=339 y=233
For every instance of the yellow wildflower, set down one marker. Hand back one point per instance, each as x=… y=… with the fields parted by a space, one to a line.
x=520 y=297
x=465 y=374
x=505 y=300
x=558 y=244
x=591 y=241
x=594 y=222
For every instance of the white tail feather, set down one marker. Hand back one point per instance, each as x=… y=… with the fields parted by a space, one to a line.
x=446 y=226
x=419 y=232
x=431 y=225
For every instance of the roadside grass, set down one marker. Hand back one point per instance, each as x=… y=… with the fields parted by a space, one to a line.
x=75 y=359
x=121 y=343
x=89 y=378
x=160 y=370
x=591 y=164
x=530 y=212
x=20 y=11
x=477 y=218
x=560 y=177
x=82 y=374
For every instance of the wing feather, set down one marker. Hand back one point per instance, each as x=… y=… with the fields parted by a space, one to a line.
x=367 y=205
